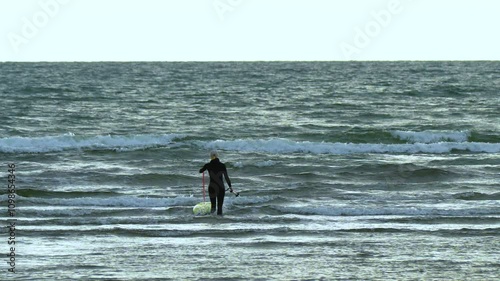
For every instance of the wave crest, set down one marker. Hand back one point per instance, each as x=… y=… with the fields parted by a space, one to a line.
x=284 y=146
x=431 y=136
x=71 y=142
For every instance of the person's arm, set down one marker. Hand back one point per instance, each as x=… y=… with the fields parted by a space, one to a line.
x=227 y=179
x=204 y=168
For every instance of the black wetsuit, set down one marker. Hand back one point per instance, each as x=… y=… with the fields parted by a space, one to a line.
x=216 y=189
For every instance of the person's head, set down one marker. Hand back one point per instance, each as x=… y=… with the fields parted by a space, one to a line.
x=214 y=154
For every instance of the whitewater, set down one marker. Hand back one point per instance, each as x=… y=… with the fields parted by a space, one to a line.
x=419 y=142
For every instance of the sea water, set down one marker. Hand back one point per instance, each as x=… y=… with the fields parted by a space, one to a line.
x=346 y=170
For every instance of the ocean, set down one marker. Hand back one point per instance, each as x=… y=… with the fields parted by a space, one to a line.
x=346 y=170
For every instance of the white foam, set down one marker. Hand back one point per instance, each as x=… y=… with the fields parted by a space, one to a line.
x=122 y=201
x=261 y=164
x=70 y=141
x=385 y=211
x=246 y=200
x=141 y=202
x=268 y=163
x=431 y=136
x=424 y=143
x=284 y=146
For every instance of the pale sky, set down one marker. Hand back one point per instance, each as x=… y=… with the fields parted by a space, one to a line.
x=248 y=30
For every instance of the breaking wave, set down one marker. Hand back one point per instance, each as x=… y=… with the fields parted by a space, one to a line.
x=72 y=142
x=424 y=142
x=283 y=146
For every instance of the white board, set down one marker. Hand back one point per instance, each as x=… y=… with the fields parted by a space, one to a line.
x=202 y=208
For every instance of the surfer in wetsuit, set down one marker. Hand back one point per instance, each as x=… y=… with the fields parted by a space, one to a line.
x=216 y=189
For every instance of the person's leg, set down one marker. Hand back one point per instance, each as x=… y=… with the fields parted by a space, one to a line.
x=211 y=193
x=220 y=201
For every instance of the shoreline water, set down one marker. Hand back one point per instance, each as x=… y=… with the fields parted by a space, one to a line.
x=346 y=171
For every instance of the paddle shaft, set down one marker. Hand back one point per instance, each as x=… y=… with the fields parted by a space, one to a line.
x=235 y=193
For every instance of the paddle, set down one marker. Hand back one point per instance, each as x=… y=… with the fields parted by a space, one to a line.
x=235 y=193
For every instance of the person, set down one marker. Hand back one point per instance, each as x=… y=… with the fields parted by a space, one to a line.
x=216 y=189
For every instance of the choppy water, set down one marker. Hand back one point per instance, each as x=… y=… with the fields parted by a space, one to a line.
x=347 y=171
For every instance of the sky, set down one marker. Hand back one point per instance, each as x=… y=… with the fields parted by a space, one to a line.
x=248 y=30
